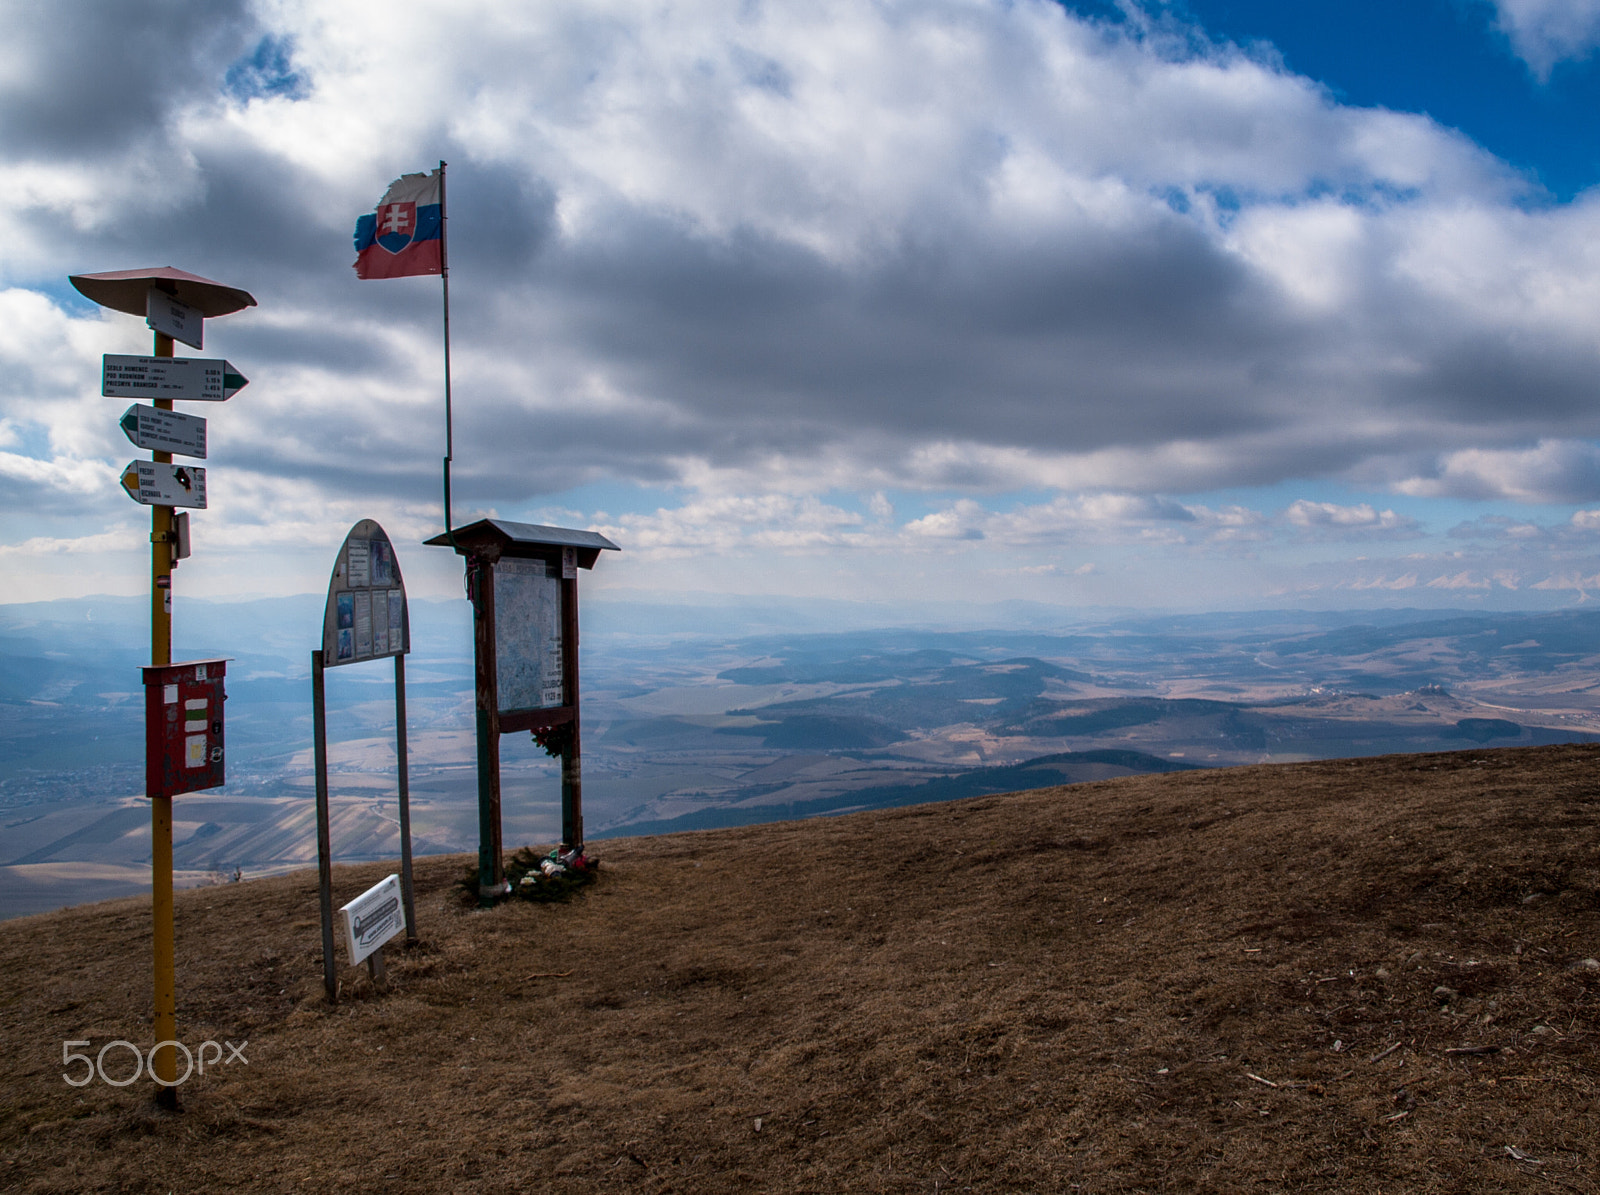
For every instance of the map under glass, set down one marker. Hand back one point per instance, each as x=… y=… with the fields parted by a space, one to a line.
x=527 y=616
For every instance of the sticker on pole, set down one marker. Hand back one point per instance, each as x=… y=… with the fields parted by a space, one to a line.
x=156 y=483
x=164 y=431
x=372 y=918
x=191 y=379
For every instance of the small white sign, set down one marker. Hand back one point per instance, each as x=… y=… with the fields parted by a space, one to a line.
x=372 y=918
x=155 y=483
x=171 y=318
x=165 y=431
x=192 y=379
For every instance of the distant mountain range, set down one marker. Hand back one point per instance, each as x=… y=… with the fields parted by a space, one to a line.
x=701 y=718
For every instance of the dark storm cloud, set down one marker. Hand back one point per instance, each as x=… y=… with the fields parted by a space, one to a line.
x=1497 y=376
x=1077 y=245
x=1146 y=337
x=94 y=76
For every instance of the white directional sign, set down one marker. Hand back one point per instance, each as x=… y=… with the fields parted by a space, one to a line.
x=154 y=483
x=372 y=918
x=193 y=379
x=172 y=318
x=165 y=431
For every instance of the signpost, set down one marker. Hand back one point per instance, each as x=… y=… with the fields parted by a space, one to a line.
x=193 y=379
x=169 y=316
x=370 y=920
x=523 y=582
x=164 y=431
x=366 y=618
x=161 y=483
x=175 y=303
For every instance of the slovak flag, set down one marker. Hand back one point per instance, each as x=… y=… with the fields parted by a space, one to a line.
x=404 y=236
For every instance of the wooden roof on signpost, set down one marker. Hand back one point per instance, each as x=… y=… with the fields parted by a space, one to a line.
x=127 y=290
x=524 y=539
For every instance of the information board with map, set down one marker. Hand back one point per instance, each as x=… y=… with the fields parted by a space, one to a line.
x=529 y=664
x=366 y=616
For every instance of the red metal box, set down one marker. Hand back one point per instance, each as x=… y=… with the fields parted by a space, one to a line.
x=183 y=727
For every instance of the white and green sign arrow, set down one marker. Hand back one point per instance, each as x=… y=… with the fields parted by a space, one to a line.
x=192 y=379
x=165 y=431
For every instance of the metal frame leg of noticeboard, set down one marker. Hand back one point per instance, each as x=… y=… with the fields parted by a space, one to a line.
x=402 y=758
x=319 y=738
x=319 y=721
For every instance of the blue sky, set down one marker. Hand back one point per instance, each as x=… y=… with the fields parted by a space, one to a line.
x=1447 y=58
x=1202 y=304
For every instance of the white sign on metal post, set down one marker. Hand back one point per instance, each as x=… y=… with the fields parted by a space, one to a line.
x=171 y=318
x=165 y=431
x=153 y=483
x=372 y=918
x=193 y=379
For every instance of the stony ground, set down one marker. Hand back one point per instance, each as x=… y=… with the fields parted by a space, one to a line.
x=1364 y=975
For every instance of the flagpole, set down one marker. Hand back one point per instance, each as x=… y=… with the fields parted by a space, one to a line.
x=444 y=274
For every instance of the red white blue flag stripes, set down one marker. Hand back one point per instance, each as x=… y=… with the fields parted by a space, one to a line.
x=403 y=237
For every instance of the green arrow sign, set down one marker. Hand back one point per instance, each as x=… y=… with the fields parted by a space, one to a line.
x=193 y=379
x=165 y=431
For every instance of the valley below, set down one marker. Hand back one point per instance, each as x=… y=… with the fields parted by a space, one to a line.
x=698 y=730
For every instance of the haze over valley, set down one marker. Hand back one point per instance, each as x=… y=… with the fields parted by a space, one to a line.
x=704 y=716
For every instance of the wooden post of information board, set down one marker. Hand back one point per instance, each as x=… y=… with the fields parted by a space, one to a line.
x=522 y=579
x=572 y=750
x=491 y=869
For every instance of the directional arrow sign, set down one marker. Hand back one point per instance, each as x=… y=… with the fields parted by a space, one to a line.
x=196 y=379
x=165 y=431
x=154 y=483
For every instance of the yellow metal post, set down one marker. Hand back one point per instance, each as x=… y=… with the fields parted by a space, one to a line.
x=163 y=1063
x=129 y=291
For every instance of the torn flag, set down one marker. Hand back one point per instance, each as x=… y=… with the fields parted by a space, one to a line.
x=404 y=236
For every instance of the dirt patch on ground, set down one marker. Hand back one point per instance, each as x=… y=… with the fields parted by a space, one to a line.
x=1252 y=979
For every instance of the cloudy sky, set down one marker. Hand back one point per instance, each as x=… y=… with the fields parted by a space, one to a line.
x=1188 y=304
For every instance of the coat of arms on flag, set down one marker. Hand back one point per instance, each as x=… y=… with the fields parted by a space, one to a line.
x=403 y=236
x=397 y=225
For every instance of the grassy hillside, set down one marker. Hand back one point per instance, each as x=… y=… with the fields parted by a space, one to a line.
x=1250 y=979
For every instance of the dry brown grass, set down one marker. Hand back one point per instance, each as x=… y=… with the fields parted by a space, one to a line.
x=1069 y=989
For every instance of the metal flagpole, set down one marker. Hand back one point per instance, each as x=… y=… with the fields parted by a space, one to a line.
x=444 y=274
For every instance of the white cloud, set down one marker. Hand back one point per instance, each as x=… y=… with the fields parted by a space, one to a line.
x=1461 y=580
x=1570 y=580
x=63 y=475
x=915 y=245
x=758 y=255
x=1546 y=32
x=1100 y=518
x=1552 y=471
x=738 y=524
x=121 y=538
x=1329 y=520
x=1384 y=581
